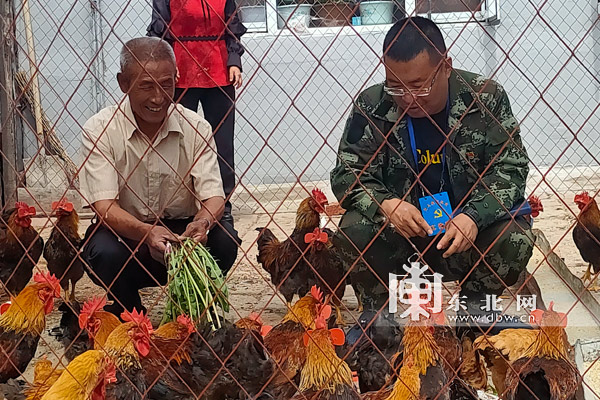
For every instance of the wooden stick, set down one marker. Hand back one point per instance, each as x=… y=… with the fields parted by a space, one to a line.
x=33 y=70
x=8 y=158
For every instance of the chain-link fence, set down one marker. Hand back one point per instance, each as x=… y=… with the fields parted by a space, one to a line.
x=311 y=289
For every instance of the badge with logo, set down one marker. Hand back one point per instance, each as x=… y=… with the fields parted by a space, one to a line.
x=436 y=211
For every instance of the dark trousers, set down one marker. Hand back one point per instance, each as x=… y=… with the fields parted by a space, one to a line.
x=507 y=246
x=219 y=111
x=107 y=255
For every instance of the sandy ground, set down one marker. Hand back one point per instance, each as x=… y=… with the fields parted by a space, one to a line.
x=250 y=286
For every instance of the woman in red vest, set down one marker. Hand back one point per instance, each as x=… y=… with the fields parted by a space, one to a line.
x=205 y=35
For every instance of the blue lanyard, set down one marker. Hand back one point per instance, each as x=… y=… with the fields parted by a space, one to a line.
x=413 y=143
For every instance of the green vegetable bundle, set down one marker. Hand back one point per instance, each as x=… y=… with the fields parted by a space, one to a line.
x=196 y=285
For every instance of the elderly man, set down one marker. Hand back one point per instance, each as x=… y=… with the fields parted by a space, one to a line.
x=151 y=175
x=435 y=137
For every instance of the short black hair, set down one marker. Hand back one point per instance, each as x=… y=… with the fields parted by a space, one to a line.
x=411 y=36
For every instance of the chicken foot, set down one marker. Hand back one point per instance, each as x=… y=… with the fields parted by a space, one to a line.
x=587 y=276
x=593 y=280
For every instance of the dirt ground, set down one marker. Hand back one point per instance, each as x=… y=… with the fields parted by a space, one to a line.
x=250 y=286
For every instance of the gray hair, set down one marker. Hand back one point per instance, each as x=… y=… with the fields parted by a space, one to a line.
x=143 y=49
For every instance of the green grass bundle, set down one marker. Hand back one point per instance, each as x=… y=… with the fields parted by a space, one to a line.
x=196 y=285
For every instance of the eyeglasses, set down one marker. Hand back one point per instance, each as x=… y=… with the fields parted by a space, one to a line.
x=399 y=92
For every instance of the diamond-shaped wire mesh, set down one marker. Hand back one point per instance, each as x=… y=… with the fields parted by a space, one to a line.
x=303 y=307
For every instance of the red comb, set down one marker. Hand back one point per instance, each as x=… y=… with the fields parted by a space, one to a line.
x=319 y=196
x=186 y=321
x=48 y=279
x=536 y=205
x=316 y=293
x=582 y=196
x=94 y=304
x=89 y=308
x=63 y=204
x=254 y=316
x=138 y=318
x=23 y=209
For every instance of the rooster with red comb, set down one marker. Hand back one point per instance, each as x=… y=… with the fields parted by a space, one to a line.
x=22 y=323
x=20 y=247
x=284 y=260
x=586 y=236
x=62 y=249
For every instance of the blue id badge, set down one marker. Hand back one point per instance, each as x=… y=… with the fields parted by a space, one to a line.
x=436 y=211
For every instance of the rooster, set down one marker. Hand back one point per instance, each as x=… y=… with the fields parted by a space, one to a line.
x=234 y=359
x=20 y=248
x=98 y=323
x=23 y=322
x=473 y=369
x=406 y=387
x=420 y=346
x=284 y=343
x=324 y=375
x=254 y=323
x=127 y=344
x=44 y=376
x=526 y=284
x=586 y=236
x=284 y=260
x=380 y=341
x=169 y=348
x=456 y=357
x=227 y=363
x=544 y=370
x=502 y=349
x=85 y=378
x=327 y=268
x=62 y=249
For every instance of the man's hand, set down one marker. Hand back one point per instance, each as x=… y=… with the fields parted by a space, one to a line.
x=462 y=231
x=157 y=240
x=197 y=230
x=405 y=218
x=235 y=76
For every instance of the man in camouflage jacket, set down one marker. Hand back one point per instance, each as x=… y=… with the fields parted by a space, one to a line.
x=486 y=167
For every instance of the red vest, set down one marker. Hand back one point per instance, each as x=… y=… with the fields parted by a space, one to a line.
x=201 y=63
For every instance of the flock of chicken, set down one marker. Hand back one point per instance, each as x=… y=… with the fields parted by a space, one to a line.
x=305 y=356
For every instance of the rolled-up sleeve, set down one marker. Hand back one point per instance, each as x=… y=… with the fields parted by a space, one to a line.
x=205 y=173
x=98 y=177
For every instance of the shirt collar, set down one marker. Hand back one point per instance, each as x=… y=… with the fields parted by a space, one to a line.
x=130 y=124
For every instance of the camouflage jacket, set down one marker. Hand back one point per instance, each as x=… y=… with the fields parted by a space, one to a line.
x=485 y=156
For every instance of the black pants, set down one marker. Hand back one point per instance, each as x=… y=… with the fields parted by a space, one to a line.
x=106 y=255
x=219 y=111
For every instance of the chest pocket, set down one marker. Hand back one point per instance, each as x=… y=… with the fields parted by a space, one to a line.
x=471 y=142
x=398 y=174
